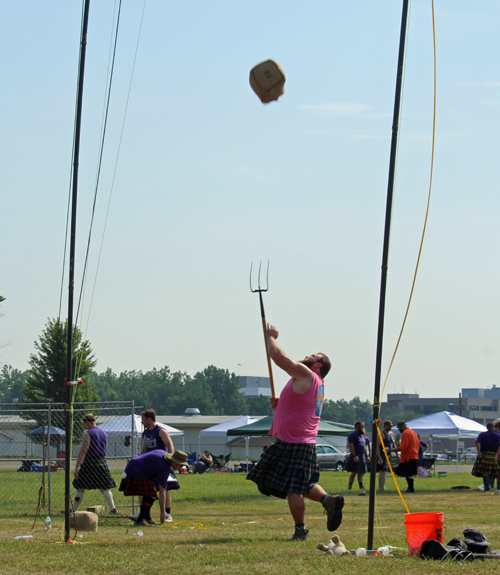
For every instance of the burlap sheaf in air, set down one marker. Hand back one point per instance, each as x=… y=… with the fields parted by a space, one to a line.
x=268 y=81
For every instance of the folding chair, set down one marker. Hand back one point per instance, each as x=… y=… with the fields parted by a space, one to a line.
x=429 y=464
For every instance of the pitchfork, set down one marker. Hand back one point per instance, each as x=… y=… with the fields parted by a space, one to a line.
x=259 y=290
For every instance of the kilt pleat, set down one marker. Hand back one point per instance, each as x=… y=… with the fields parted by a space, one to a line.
x=486 y=465
x=94 y=474
x=286 y=468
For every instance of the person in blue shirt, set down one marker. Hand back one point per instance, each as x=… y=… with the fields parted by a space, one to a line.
x=154 y=437
x=486 y=464
x=145 y=474
x=359 y=447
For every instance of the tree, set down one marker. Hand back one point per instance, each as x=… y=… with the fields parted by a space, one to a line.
x=47 y=373
x=343 y=411
x=258 y=405
x=225 y=388
x=12 y=382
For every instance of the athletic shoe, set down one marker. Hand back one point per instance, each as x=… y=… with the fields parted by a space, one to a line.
x=410 y=491
x=150 y=521
x=300 y=535
x=168 y=518
x=141 y=523
x=115 y=512
x=333 y=506
x=134 y=517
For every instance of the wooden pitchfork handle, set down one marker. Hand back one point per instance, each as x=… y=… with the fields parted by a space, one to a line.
x=264 y=327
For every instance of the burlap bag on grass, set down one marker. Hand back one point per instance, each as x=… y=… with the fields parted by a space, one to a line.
x=268 y=81
x=84 y=521
x=99 y=509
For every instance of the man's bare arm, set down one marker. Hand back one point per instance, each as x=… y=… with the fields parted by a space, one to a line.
x=167 y=440
x=298 y=371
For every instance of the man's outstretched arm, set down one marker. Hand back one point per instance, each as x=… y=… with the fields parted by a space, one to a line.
x=298 y=371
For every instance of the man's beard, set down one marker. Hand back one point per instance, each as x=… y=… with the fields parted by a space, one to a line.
x=308 y=361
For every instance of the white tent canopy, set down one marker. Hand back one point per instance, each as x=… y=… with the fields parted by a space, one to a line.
x=444 y=423
x=447 y=424
x=125 y=425
x=220 y=430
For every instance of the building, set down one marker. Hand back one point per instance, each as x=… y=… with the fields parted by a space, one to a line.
x=253 y=386
x=480 y=404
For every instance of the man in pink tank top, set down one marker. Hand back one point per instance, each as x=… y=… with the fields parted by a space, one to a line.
x=289 y=468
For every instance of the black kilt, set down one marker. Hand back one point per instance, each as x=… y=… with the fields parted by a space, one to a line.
x=407 y=469
x=384 y=466
x=94 y=474
x=286 y=468
x=360 y=466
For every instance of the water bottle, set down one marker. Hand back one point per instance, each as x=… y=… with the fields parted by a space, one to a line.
x=361 y=552
x=140 y=533
x=384 y=550
x=24 y=537
x=48 y=523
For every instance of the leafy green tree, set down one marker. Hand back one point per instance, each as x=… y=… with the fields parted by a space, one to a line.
x=225 y=388
x=47 y=373
x=12 y=382
x=344 y=411
x=258 y=405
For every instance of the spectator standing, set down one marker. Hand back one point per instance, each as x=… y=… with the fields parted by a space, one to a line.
x=409 y=447
x=382 y=463
x=360 y=455
x=486 y=464
x=423 y=447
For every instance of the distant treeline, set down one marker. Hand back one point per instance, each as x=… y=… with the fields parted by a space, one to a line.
x=171 y=393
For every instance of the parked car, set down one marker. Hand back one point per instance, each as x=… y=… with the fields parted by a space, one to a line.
x=330 y=457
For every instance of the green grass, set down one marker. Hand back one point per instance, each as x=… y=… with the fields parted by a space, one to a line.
x=223 y=525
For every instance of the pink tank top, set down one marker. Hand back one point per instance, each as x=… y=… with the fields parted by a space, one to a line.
x=297 y=416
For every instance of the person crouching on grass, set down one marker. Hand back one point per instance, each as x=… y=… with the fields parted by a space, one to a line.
x=146 y=471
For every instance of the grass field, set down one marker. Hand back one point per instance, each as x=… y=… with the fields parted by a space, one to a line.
x=223 y=525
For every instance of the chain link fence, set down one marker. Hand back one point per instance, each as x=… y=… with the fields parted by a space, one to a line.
x=32 y=453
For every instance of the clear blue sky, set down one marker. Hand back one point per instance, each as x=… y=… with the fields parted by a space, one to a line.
x=208 y=180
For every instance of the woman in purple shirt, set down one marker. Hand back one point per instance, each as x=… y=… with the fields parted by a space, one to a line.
x=91 y=471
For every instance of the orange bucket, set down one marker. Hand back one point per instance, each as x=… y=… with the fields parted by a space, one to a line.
x=420 y=527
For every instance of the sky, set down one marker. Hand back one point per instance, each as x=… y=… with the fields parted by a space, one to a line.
x=199 y=179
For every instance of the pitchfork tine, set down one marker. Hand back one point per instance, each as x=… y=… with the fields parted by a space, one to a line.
x=259 y=290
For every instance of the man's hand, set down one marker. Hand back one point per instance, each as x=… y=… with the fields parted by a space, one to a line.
x=272 y=331
x=274 y=402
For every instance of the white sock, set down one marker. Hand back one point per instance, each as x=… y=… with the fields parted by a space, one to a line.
x=109 y=499
x=78 y=499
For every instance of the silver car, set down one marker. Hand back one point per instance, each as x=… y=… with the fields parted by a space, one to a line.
x=330 y=457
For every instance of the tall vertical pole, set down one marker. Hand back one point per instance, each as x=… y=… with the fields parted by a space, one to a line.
x=383 y=282
x=68 y=414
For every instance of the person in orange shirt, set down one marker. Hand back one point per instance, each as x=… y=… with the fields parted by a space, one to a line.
x=409 y=455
